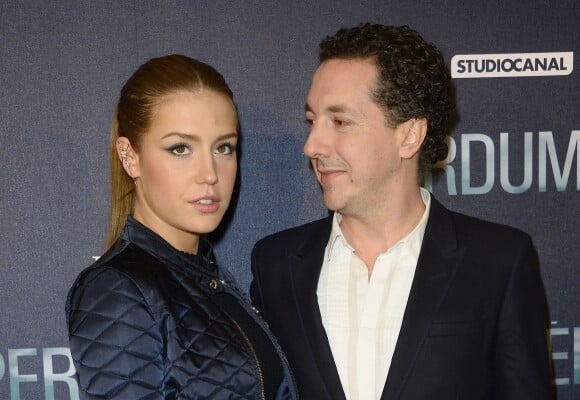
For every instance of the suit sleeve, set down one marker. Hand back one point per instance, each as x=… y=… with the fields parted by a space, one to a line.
x=255 y=290
x=114 y=338
x=521 y=352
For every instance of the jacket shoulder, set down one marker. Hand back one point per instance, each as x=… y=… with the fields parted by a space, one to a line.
x=293 y=237
x=469 y=227
x=123 y=264
x=129 y=260
x=468 y=230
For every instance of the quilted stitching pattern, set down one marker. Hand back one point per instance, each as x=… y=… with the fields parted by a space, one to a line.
x=115 y=339
x=131 y=341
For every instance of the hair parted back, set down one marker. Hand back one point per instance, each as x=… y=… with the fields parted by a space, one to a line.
x=145 y=89
x=413 y=80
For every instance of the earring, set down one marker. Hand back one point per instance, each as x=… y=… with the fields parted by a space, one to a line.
x=124 y=160
x=124 y=154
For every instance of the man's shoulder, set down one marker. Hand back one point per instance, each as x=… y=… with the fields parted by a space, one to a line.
x=292 y=237
x=468 y=222
x=481 y=230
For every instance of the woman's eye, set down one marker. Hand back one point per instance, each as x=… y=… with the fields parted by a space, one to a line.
x=226 y=148
x=309 y=122
x=180 y=149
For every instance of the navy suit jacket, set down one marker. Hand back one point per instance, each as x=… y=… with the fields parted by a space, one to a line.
x=474 y=327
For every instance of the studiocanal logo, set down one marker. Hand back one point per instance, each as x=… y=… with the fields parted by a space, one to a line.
x=511 y=65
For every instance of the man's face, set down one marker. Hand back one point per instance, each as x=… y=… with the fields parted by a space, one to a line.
x=354 y=153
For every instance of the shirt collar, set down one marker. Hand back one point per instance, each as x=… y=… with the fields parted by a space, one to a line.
x=414 y=238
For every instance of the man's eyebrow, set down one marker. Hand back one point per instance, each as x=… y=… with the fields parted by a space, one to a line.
x=337 y=109
x=332 y=108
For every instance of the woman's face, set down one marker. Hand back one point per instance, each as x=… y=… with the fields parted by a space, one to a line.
x=186 y=166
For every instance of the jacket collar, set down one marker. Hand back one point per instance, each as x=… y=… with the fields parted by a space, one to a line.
x=138 y=234
x=305 y=264
x=436 y=267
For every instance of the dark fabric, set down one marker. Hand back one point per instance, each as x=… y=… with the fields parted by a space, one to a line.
x=142 y=325
x=474 y=327
x=270 y=365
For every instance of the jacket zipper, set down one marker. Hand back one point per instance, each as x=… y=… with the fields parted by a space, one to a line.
x=247 y=340
x=233 y=289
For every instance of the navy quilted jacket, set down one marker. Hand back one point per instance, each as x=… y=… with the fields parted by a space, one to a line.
x=142 y=326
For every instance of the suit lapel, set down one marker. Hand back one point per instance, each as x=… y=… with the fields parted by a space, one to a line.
x=435 y=268
x=305 y=265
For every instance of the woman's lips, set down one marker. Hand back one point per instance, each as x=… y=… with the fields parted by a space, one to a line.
x=206 y=205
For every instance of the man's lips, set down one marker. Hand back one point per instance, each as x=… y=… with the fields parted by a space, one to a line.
x=327 y=175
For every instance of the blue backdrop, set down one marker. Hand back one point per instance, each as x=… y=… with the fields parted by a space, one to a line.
x=515 y=153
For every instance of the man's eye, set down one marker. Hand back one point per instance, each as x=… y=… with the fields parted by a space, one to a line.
x=226 y=148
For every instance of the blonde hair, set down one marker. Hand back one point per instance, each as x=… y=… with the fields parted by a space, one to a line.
x=154 y=80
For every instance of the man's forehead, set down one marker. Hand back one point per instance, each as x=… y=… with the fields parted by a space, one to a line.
x=347 y=66
x=332 y=108
x=341 y=86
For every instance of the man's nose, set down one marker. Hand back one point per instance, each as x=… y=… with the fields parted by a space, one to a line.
x=317 y=144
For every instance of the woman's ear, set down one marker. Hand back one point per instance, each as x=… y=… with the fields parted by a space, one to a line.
x=128 y=157
x=415 y=131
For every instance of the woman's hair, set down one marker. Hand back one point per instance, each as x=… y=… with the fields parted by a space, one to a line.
x=145 y=89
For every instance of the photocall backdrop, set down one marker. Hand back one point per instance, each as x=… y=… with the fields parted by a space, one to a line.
x=514 y=156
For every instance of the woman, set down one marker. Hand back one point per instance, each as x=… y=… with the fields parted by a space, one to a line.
x=154 y=317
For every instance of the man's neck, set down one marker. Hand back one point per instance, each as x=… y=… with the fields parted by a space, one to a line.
x=377 y=231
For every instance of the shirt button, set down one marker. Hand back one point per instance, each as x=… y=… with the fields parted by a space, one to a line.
x=361 y=267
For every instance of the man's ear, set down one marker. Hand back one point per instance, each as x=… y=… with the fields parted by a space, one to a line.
x=128 y=157
x=414 y=131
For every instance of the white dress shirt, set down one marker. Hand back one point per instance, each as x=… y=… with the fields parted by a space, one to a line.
x=362 y=317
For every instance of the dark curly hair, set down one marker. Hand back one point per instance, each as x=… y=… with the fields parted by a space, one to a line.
x=413 y=80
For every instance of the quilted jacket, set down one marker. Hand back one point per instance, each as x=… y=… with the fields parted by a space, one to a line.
x=142 y=326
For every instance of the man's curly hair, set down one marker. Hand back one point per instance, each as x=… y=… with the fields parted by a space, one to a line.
x=413 y=80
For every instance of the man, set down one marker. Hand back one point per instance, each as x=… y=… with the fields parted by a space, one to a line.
x=394 y=296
